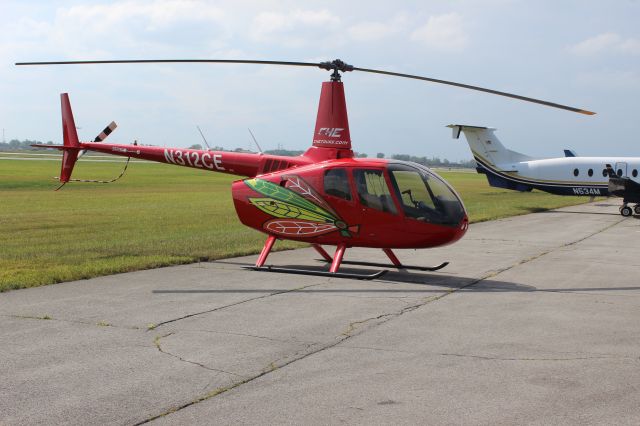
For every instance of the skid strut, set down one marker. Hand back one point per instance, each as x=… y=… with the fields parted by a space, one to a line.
x=268 y=245
x=395 y=263
x=337 y=258
x=335 y=262
x=322 y=252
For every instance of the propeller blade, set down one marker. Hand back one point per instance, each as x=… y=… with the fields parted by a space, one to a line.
x=335 y=65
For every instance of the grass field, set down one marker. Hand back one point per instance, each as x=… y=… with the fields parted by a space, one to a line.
x=157 y=215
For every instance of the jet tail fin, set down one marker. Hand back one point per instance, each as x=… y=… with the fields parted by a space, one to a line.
x=486 y=147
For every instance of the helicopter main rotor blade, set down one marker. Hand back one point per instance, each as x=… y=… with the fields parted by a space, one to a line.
x=336 y=65
x=173 y=61
x=480 y=89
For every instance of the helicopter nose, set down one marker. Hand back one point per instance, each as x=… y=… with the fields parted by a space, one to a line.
x=461 y=229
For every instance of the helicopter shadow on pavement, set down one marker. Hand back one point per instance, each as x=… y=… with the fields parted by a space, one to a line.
x=425 y=282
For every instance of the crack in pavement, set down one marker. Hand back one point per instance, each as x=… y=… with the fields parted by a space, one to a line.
x=582 y=355
x=355 y=325
x=275 y=293
x=156 y=342
x=272 y=366
x=278 y=364
x=497 y=358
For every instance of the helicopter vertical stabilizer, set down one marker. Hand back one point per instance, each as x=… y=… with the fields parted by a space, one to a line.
x=332 y=124
x=71 y=146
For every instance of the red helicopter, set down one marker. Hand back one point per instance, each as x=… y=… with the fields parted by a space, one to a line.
x=325 y=196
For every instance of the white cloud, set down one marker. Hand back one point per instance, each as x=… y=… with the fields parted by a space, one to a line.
x=610 y=80
x=95 y=30
x=294 y=28
x=370 y=31
x=605 y=43
x=442 y=32
x=375 y=31
x=152 y=14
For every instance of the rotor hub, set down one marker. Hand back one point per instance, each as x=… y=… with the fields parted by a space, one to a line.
x=336 y=65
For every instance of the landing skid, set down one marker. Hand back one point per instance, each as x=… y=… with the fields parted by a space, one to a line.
x=317 y=273
x=335 y=263
x=386 y=265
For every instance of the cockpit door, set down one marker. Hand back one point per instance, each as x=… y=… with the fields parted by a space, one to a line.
x=373 y=193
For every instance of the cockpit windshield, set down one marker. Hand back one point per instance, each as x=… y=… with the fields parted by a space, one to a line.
x=424 y=196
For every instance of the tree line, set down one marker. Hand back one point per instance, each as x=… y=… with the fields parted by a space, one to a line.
x=16 y=145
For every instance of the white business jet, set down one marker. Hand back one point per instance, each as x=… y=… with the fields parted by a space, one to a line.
x=568 y=175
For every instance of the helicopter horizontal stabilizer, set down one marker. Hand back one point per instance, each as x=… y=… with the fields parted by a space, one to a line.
x=42 y=145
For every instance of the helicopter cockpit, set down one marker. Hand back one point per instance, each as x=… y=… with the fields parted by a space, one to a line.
x=425 y=196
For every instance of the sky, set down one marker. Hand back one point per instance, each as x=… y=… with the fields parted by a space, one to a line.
x=580 y=53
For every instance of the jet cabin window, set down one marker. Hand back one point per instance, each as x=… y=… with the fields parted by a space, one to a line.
x=425 y=197
x=373 y=190
x=336 y=183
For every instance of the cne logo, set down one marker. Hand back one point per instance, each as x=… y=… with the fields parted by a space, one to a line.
x=332 y=132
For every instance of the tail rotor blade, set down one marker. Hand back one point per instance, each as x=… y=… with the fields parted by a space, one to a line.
x=102 y=136
x=106 y=132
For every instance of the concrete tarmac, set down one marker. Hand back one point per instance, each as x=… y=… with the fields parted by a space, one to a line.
x=535 y=321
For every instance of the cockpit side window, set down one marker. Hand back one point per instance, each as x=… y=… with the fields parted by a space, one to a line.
x=373 y=190
x=424 y=197
x=336 y=183
x=413 y=191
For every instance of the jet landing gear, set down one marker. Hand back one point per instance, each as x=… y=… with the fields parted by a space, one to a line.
x=626 y=210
